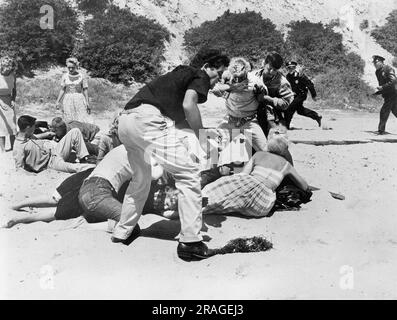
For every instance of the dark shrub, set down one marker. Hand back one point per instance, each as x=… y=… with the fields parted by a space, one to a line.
x=244 y=34
x=122 y=47
x=22 y=36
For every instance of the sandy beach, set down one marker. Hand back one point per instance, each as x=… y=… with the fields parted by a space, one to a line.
x=330 y=249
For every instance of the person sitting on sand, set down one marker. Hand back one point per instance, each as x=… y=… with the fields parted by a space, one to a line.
x=109 y=140
x=35 y=155
x=89 y=194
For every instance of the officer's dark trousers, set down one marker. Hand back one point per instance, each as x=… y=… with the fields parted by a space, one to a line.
x=297 y=106
x=390 y=105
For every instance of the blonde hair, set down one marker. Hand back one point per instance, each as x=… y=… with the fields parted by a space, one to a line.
x=239 y=61
x=278 y=144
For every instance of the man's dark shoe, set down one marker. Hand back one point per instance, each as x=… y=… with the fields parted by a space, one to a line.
x=135 y=234
x=194 y=251
x=381 y=133
x=319 y=118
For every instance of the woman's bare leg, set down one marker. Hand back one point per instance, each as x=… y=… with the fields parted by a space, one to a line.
x=37 y=202
x=12 y=140
x=45 y=215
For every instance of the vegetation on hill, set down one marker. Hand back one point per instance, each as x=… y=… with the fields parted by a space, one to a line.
x=93 y=6
x=316 y=47
x=337 y=72
x=386 y=35
x=42 y=91
x=244 y=34
x=117 y=45
x=122 y=47
x=28 y=35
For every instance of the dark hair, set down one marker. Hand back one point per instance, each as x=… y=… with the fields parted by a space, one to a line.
x=58 y=122
x=275 y=60
x=213 y=57
x=26 y=121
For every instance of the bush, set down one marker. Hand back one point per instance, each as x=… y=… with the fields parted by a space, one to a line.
x=41 y=92
x=317 y=46
x=93 y=6
x=244 y=34
x=386 y=35
x=337 y=73
x=23 y=38
x=122 y=47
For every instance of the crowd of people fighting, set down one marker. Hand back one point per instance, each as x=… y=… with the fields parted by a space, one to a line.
x=157 y=156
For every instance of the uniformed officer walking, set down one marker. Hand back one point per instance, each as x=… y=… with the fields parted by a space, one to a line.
x=388 y=89
x=300 y=84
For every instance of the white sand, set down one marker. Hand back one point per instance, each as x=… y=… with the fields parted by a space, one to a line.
x=311 y=246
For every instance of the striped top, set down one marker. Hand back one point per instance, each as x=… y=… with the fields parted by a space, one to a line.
x=270 y=177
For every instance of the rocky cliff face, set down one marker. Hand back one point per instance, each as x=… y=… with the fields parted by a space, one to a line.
x=180 y=15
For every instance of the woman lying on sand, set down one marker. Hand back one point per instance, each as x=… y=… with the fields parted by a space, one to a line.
x=253 y=191
x=95 y=194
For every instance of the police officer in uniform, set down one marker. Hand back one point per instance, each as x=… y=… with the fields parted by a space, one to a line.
x=388 y=89
x=300 y=84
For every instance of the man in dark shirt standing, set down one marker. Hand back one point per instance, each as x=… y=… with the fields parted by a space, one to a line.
x=300 y=84
x=388 y=89
x=147 y=127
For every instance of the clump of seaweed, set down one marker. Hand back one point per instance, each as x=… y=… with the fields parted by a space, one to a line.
x=244 y=245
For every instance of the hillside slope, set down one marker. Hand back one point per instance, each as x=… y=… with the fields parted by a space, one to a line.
x=180 y=15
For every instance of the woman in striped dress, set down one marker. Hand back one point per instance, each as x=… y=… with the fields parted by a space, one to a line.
x=74 y=94
x=253 y=191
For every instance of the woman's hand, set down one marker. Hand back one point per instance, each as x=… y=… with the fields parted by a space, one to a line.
x=88 y=109
x=57 y=105
x=13 y=105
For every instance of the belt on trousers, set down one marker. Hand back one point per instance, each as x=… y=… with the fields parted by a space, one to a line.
x=128 y=111
x=241 y=121
x=94 y=179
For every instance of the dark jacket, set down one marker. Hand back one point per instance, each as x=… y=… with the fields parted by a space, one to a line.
x=301 y=84
x=387 y=80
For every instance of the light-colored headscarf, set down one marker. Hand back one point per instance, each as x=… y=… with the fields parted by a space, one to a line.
x=7 y=65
